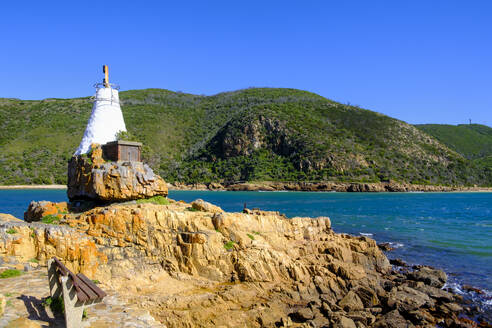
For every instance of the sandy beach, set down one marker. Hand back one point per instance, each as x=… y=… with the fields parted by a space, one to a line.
x=54 y=186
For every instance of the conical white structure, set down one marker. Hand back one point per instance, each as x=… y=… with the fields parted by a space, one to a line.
x=106 y=119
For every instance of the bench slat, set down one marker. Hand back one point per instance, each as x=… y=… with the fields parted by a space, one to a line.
x=100 y=293
x=81 y=295
x=64 y=270
x=85 y=289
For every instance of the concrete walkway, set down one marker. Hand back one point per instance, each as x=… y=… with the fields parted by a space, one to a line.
x=24 y=308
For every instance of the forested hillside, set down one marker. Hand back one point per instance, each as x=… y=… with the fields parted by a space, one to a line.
x=256 y=134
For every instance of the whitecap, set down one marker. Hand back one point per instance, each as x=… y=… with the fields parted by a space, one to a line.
x=455 y=287
x=396 y=245
x=367 y=234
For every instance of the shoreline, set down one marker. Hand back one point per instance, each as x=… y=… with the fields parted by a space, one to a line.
x=55 y=186
x=292 y=186
x=324 y=187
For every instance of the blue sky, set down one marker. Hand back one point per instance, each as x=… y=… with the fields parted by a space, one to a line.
x=419 y=61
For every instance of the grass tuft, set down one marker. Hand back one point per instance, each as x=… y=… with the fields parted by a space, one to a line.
x=50 y=219
x=11 y=231
x=159 y=200
x=56 y=304
x=10 y=273
x=229 y=245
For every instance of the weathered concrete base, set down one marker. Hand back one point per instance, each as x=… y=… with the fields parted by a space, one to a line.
x=27 y=292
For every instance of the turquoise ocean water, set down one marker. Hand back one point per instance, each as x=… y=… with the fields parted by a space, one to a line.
x=452 y=231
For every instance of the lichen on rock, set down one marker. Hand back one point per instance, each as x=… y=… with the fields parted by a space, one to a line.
x=42 y=241
x=37 y=210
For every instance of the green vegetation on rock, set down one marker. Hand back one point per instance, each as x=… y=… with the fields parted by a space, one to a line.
x=258 y=134
x=50 y=219
x=229 y=245
x=159 y=200
x=10 y=273
x=126 y=136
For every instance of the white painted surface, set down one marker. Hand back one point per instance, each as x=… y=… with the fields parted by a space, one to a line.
x=105 y=122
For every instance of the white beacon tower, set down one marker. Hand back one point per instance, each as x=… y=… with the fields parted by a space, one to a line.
x=106 y=118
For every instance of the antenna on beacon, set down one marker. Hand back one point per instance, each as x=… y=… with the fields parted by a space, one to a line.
x=106 y=76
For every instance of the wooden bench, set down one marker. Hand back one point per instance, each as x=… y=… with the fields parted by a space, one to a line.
x=77 y=290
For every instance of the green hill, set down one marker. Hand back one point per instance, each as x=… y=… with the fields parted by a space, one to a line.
x=246 y=135
x=474 y=141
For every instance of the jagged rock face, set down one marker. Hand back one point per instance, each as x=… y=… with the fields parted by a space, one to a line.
x=90 y=177
x=244 y=137
x=238 y=138
x=39 y=241
x=267 y=257
x=194 y=242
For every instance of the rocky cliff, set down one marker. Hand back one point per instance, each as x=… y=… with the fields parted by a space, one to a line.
x=91 y=177
x=193 y=265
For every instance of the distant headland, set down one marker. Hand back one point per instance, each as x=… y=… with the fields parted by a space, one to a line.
x=257 y=134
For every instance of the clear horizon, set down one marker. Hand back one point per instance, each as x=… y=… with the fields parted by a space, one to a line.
x=419 y=62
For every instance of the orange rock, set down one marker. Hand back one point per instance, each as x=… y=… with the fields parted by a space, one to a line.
x=94 y=178
x=77 y=250
x=37 y=210
x=8 y=217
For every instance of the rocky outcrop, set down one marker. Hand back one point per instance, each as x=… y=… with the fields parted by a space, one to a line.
x=39 y=242
x=201 y=205
x=205 y=268
x=91 y=177
x=37 y=210
x=430 y=276
x=8 y=217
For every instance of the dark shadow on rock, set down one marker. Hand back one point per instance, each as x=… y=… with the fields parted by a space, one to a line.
x=37 y=311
